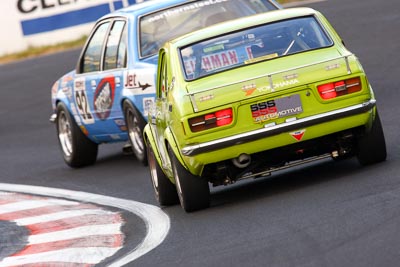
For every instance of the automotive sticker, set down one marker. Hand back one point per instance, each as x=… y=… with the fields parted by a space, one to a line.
x=104 y=97
x=82 y=102
x=148 y=103
x=219 y=60
x=249 y=52
x=190 y=65
x=276 y=108
x=332 y=67
x=291 y=77
x=249 y=89
x=67 y=92
x=66 y=80
x=121 y=124
x=140 y=81
x=261 y=58
x=206 y=98
x=212 y=62
x=179 y=9
x=267 y=89
x=298 y=135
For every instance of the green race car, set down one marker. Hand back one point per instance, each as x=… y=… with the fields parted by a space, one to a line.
x=248 y=97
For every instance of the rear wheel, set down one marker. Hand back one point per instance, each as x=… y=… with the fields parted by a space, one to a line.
x=372 y=145
x=165 y=191
x=135 y=124
x=193 y=191
x=77 y=149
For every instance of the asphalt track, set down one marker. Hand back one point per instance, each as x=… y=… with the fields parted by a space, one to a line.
x=324 y=214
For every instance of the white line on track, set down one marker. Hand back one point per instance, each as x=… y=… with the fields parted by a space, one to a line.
x=78 y=232
x=32 y=204
x=60 y=215
x=156 y=221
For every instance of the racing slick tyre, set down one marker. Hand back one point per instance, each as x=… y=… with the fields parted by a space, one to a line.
x=193 y=191
x=78 y=150
x=372 y=146
x=165 y=191
x=135 y=123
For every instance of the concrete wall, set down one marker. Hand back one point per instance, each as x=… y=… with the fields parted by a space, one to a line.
x=25 y=23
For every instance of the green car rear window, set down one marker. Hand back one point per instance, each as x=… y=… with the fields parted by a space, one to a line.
x=256 y=44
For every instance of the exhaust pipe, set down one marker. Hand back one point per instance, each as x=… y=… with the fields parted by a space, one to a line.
x=242 y=161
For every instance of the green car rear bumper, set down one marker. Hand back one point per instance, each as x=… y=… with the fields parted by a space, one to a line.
x=193 y=150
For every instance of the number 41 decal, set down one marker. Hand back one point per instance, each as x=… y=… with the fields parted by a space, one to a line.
x=81 y=101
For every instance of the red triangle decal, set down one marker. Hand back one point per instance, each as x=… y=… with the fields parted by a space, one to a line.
x=298 y=135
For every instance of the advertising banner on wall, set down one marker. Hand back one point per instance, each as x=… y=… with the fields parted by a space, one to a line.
x=44 y=22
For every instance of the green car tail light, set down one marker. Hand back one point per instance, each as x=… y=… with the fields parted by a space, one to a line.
x=211 y=120
x=339 y=88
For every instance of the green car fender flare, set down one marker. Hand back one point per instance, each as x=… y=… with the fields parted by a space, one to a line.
x=150 y=141
x=169 y=139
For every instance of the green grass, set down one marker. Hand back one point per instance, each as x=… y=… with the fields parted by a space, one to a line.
x=42 y=50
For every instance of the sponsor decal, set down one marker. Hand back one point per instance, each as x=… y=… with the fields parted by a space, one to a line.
x=139 y=82
x=249 y=89
x=249 y=52
x=332 y=67
x=148 y=103
x=212 y=62
x=206 y=98
x=81 y=101
x=290 y=77
x=276 y=108
x=104 y=98
x=132 y=83
x=261 y=58
x=190 y=65
x=67 y=92
x=39 y=16
x=298 y=135
x=121 y=124
x=66 y=80
x=183 y=9
x=219 y=60
x=278 y=86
